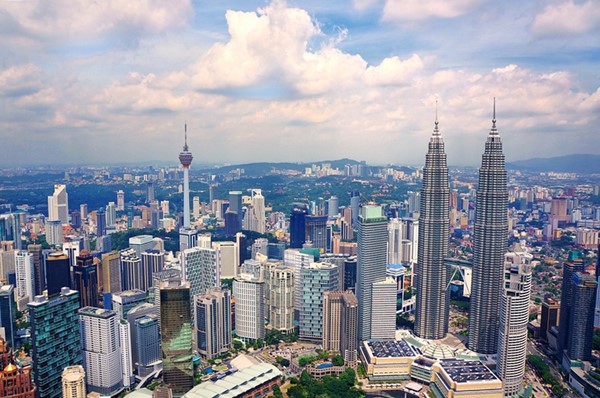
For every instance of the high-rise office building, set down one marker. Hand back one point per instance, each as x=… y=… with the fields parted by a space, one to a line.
x=317 y=278
x=212 y=323
x=296 y=260
x=71 y=249
x=202 y=269
x=39 y=276
x=153 y=261
x=581 y=322
x=125 y=301
x=150 y=191
x=333 y=207
x=235 y=206
x=10 y=229
x=249 y=294
x=111 y=272
x=212 y=192
x=100 y=221
x=432 y=274
x=55 y=342
x=298 y=225
x=514 y=317
x=371 y=266
x=176 y=336
x=597 y=307
x=256 y=212
x=146 y=347
x=54 y=232
x=58 y=272
x=489 y=245
x=316 y=231
x=120 y=200
x=101 y=350
x=141 y=243
x=73 y=382
x=340 y=325
x=229 y=257
x=8 y=314
x=83 y=210
x=85 y=279
x=354 y=204
x=58 y=204
x=196 y=207
x=25 y=286
x=574 y=264
x=111 y=214
x=280 y=292
x=549 y=318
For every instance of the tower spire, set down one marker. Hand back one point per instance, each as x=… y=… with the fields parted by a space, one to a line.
x=185 y=145
x=494 y=130
x=436 y=131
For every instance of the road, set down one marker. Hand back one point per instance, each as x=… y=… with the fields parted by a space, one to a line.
x=533 y=350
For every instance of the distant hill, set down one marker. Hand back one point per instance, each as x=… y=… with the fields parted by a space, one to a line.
x=262 y=168
x=581 y=164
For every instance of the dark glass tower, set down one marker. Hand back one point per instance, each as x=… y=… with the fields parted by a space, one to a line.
x=489 y=245
x=297 y=226
x=571 y=267
x=58 y=273
x=85 y=279
x=431 y=316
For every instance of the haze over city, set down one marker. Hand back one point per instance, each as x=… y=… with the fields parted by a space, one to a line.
x=295 y=81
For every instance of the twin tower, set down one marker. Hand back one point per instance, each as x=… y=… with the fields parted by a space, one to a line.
x=489 y=245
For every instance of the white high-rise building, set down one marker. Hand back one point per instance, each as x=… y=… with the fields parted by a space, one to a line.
x=396 y=236
x=292 y=258
x=101 y=350
x=230 y=258
x=111 y=214
x=120 y=200
x=514 y=316
x=126 y=358
x=54 y=232
x=196 y=207
x=256 y=213
x=58 y=204
x=25 y=275
x=202 y=269
x=249 y=294
x=73 y=382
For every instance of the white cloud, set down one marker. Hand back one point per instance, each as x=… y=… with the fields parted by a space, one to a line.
x=19 y=80
x=90 y=19
x=417 y=10
x=393 y=70
x=567 y=18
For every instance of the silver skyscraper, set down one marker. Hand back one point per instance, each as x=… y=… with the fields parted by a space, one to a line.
x=489 y=245
x=431 y=316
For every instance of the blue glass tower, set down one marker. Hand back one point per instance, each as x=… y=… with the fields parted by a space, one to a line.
x=55 y=340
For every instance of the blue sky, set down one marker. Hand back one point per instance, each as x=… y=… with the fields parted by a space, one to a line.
x=112 y=81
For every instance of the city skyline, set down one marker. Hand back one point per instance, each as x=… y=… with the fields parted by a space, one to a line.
x=253 y=76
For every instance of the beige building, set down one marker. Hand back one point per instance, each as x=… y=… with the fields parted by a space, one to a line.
x=340 y=323
x=73 y=382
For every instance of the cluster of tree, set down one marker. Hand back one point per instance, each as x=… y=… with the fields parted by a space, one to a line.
x=274 y=337
x=342 y=386
x=282 y=361
x=543 y=370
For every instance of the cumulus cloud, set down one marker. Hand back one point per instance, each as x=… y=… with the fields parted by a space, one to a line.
x=567 y=18
x=312 y=90
x=90 y=19
x=418 y=10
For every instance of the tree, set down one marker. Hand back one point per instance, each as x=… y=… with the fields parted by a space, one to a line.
x=277 y=391
x=337 y=360
x=238 y=345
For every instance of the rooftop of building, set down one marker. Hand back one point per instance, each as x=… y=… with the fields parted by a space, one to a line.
x=97 y=312
x=464 y=371
x=237 y=383
x=391 y=349
x=6 y=289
